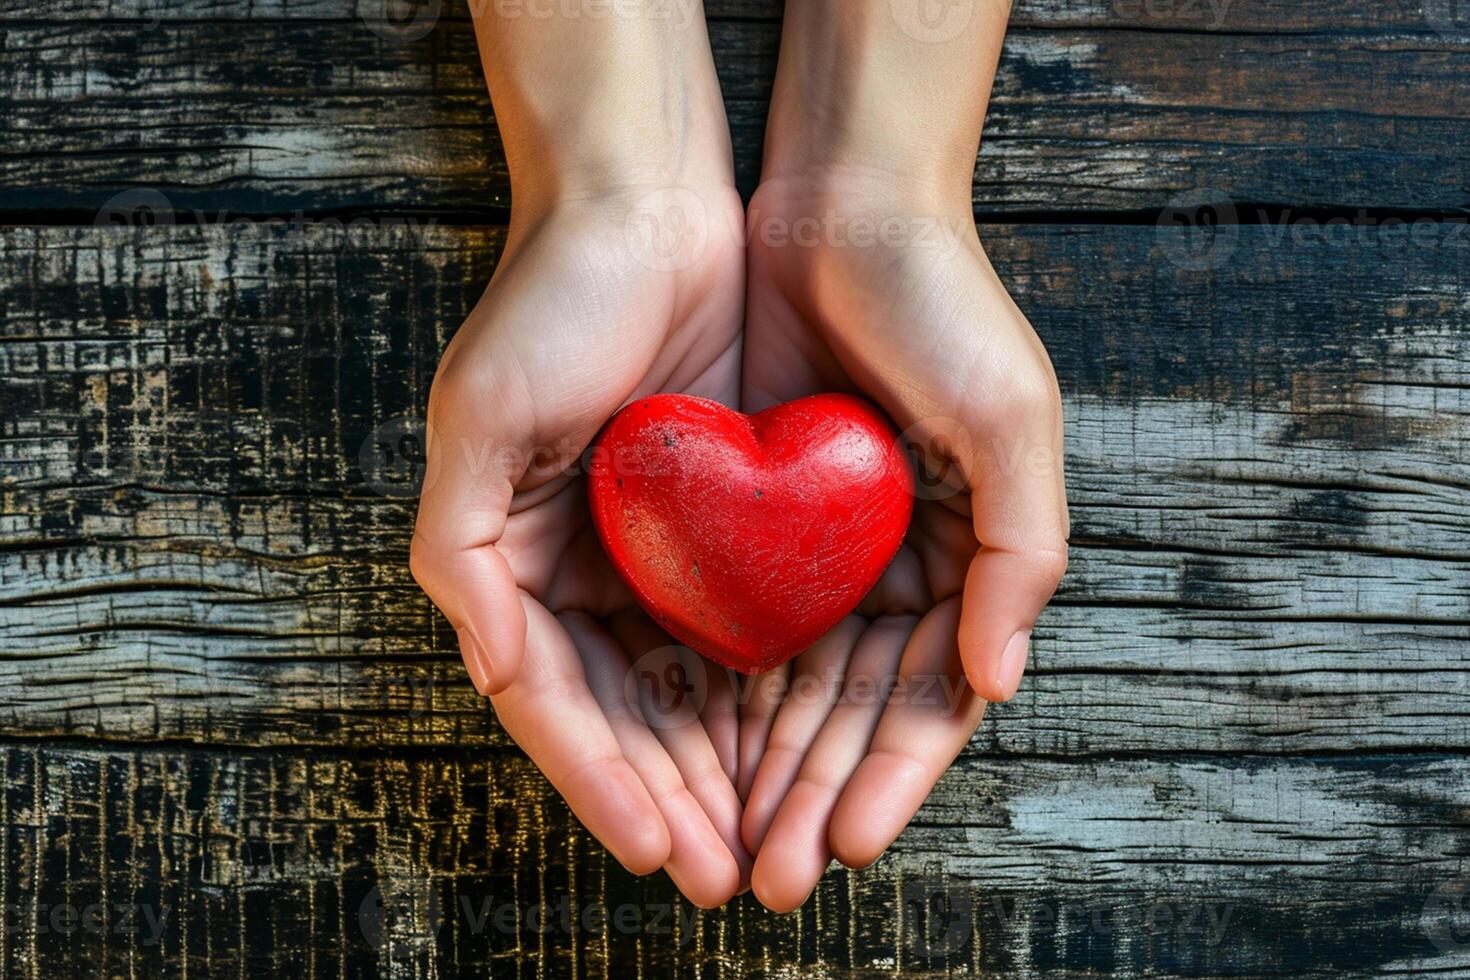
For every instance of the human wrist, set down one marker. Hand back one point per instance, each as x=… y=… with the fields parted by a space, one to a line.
x=863 y=89
x=583 y=176
x=854 y=199
x=851 y=147
x=593 y=105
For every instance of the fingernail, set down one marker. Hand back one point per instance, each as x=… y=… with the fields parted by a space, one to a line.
x=476 y=660
x=1012 y=664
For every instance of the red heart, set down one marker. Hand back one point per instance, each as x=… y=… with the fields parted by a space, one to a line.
x=747 y=537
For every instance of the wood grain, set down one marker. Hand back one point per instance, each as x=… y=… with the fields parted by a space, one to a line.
x=325 y=114
x=1270 y=511
x=172 y=863
x=1316 y=16
x=236 y=740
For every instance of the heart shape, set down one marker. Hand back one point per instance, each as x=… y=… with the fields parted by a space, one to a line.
x=747 y=537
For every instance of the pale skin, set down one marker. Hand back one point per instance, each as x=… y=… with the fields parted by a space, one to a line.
x=856 y=267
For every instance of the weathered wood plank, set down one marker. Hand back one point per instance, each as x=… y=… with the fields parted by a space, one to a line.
x=174 y=643
x=256 y=864
x=1271 y=494
x=1268 y=463
x=1272 y=16
x=270 y=116
x=263 y=320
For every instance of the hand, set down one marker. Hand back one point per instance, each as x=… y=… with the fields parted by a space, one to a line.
x=866 y=275
x=581 y=317
x=622 y=276
x=853 y=289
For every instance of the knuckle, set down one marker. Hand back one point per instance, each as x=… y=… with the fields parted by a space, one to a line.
x=1035 y=396
x=1048 y=558
x=421 y=561
x=452 y=389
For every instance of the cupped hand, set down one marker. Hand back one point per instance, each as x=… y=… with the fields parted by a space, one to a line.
x=853 y=288
x=594 y=303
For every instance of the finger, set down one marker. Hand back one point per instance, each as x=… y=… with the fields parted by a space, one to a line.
x=795 y=853
x=761 y=698
x=462 y=513
x=680 y=730
x=721 y=719
x=699 y=861
x=928 y=721
x=550 y=712
x=1019 y=503
x=816 y=684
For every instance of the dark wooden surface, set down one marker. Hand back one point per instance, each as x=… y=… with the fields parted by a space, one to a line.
x=235 y=739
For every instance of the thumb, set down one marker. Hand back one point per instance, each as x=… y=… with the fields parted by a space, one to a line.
x=1005 y=591
x=1019 y=502
x=462 y=514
